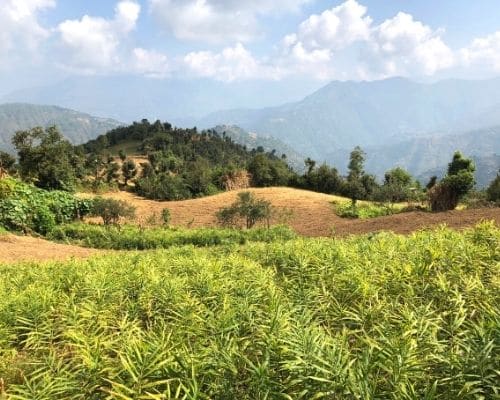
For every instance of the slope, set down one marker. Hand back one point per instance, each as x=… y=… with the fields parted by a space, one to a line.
x=75 y=126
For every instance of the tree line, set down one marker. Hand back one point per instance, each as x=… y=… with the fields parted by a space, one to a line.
x=186 y=163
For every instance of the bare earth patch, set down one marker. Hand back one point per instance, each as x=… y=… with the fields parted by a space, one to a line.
x=26 y=248
x=310 y=213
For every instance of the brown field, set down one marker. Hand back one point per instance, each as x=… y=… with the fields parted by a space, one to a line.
x=308 y=213
x=26 y=248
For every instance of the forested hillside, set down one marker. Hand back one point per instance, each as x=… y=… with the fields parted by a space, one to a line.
x=77 y=127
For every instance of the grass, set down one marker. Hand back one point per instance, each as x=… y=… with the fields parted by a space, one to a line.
x=131 y=237
x=374 y=317
x=366 y=209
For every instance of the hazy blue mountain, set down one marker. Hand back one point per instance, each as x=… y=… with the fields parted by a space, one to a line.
x=342 y=115
x=268 y=143
x=429 y=155
x=129 y=98
x=75 y=126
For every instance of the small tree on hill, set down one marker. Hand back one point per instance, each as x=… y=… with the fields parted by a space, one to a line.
x=493 y=191
x=7 y=163
x=458 y=181
x=129 y=170
x=111 y=210
x=45 y=158
x=354 y=187
x=247 y=208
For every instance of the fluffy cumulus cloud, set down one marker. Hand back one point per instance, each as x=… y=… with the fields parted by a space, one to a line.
x=483 y=53
x=232 y=63
x=217 y=21
x=19 y=26
x=93 y=43
x=398 y=46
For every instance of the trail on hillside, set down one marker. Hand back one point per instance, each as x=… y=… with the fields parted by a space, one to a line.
x=308 y=213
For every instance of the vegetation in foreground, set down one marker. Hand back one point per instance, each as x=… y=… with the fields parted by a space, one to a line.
x=375 y=317
x=131 y=237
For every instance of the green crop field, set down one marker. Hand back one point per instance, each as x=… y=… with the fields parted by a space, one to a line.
x=374 y=317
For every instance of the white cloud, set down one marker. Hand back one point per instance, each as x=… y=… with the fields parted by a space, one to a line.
x=403 y=46
x=150 y=63
x=93 y=42
x=343 y=43
x=217 y=21
x=335 y=28
x=483 y=53
x=19 y=26
x=231 y=64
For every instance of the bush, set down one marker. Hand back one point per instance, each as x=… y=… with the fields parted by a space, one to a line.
x=366 y=210
x=163 y=187
x=26 y=208
x=493 y=190
x=111 y=210
x=247 y=208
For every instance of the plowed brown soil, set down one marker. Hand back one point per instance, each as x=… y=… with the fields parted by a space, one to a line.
x=308 y=213
x=26 y=248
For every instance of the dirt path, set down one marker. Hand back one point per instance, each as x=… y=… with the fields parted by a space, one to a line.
x=26 y=248
x=308 y=213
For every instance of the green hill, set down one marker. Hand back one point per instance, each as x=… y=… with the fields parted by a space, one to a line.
x=75 y=126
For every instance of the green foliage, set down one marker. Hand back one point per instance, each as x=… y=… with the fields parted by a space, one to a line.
x=365 y=210
x=455 y=185
x=46 y=158
x=7 y=162
x=26 y=208
x=375 y=317
x=111 y=210
x=163 y=186
x=129 y=237
x=246 y=208
x=129 y=170
x=493 y=191
x=185 y=163
x=166 y=216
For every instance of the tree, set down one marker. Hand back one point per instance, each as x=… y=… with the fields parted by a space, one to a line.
x=493 y=191
x=247 y=208
x=7 y=163
x=45 y=158
x=122 y=155
x=458 y=181
x=129 y=170
x=111 y=210
x=396 y=187
x=354 y=187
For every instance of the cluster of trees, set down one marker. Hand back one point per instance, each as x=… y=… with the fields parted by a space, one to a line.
x=185 y=163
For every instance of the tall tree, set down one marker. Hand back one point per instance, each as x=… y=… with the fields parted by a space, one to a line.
x=354 y=187
x=45 y=158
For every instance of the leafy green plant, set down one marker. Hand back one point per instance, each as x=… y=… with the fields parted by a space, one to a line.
x=371 y=317
x=111 y=210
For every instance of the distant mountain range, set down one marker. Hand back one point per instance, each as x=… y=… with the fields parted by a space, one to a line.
x=396 y=121
x=132 y=98
x=342 y=115
x=75 y=126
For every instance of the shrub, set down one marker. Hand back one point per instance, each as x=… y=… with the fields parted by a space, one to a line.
x=165 y=216
x=26 y=208
x=111 y=210
x=493 y=190
x=247 y=208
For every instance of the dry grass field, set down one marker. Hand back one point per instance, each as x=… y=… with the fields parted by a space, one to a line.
x=308 y=213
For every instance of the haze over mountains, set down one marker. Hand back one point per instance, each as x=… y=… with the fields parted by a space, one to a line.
x=397 y=121
x=76 y=126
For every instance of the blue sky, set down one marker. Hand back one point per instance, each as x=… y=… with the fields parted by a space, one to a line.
x=234 y=40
